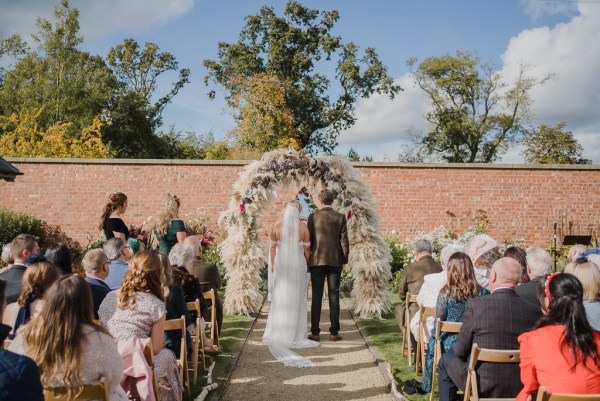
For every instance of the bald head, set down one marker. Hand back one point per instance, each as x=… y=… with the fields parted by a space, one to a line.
x=194 y=242
x=506 y=272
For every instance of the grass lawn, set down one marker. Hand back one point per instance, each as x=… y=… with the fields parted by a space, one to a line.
x=387 y=337
x=231 y=334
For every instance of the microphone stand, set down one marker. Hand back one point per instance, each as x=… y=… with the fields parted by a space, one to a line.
x=554 y=238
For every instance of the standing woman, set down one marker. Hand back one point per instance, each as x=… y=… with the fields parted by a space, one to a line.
x=111 y=221
x=169 y=229
x=69 y=348
x=562 y=353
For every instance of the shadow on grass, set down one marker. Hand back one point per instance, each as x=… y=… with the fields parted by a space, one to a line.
x=386 y=336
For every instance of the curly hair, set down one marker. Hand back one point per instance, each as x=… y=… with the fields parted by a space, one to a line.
x=462 y=283
x=170 y=210
x=145 y=274
x=38 y=277
x=114 y=201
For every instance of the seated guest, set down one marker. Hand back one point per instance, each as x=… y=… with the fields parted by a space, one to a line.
x=520 y=256
x=19 y=375
x=117 y=251
x=95 y=263
x=22 y=247
x=539 y=263
x=494 y=321
x=480 y=249
x=575 y=251
x=60 y=256
x=412 y=279
x=7 y=257
x=462 y=286
x=170 y=229
x=207 y=274
x=588 y=274
x=138 y=310
x=69 y=348
x=562 y=353
x=432 y=284
x=38 y=277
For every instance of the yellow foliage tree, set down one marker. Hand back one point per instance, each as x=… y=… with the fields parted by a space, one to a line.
x=265 y=122
x=21 y=136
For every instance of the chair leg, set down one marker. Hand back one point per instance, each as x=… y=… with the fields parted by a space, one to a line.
x=434 y=373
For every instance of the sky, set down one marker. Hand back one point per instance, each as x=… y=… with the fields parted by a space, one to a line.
x=558 y=37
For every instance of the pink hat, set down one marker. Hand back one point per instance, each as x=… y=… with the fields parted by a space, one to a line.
x=478 y=245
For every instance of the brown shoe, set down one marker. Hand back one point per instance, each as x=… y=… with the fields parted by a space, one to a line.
x=335 y=337
x=314 y=337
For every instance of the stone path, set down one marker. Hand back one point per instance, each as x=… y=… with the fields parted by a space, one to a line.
x=346 y=370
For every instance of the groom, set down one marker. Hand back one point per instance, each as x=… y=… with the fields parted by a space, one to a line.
x=328 y=252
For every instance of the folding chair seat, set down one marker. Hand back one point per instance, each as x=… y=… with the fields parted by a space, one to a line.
x=83 y=393
x=486 y=355
x=440 y=326
x=406 y=344
x=179 y=324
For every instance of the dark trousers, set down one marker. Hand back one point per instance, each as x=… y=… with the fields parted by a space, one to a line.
x=447 y=387
x=317 y=279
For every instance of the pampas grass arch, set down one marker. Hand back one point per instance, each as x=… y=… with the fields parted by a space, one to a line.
x=244 y=254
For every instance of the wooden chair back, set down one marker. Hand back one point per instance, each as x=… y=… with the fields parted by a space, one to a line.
x=83 y=393
x=179 y=324
x=210 y=298
x=406 y=344
x=424 y=313
x=544 y=395
x=440 y=326
x=149 y=355
x=6 y=343
x=486 y=355
x=197 y=351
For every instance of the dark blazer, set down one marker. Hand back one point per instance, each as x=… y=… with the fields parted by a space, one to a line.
x=329 y=244
x=493 y=321
x=19 y=375
x=412 y=281
x=99 y=290
x=208 y=275
x=13 y=277
x=528 y=291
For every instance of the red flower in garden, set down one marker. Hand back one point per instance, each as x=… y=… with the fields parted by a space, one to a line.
x=242 y=208
x=349 y=214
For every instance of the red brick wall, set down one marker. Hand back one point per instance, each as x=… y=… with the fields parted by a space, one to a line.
x=520 y=201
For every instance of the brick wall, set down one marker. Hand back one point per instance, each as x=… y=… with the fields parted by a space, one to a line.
x=521 y=201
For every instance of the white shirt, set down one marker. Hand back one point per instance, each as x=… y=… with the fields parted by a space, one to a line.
x=428 y=295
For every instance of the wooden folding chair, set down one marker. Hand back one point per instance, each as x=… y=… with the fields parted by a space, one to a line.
x=86 y=392
x=486 y=355
x=149 y=355
x=440 y=326
x=179 y=324
x=210 y=298
x=6 y=343
x=544 y=395
x=424 y=313
x=194 y=307
x=406 y=329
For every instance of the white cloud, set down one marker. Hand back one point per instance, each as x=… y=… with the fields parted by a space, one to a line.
x=96 y=18
x=383 y=125
x=570 y=51
x=539 y=8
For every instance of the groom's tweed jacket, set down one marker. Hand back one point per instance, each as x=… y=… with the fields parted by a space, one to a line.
x=328 y=238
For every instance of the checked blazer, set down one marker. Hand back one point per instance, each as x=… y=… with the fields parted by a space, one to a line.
x=493 y=321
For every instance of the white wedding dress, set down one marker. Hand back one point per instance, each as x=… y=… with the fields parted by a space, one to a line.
x=287 y=321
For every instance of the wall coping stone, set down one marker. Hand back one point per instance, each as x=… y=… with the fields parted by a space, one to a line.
x=184 y=162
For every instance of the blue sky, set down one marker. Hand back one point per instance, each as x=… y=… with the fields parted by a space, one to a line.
x=561 y=37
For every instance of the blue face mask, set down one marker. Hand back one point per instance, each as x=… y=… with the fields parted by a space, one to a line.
x=36 y=257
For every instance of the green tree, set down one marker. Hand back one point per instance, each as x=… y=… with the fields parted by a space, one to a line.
x=474 y=115
x=552 y=145
x=13 y=47
x=289 y=47
x=72 y=86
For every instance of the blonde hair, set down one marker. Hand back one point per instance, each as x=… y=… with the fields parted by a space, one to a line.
x=38 y=277
x=54 y=338
x=589 y=276
x=114 y=201
x=144 y=275
x=170 y=210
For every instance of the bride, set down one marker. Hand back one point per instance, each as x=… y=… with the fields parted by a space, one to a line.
x=286 y=323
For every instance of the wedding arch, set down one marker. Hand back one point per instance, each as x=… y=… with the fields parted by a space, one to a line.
x=244 y=254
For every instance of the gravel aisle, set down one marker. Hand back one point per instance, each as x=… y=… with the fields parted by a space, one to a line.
x=345 y=371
